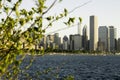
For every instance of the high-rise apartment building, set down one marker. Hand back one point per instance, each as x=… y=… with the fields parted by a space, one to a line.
x=93 y=33
x=103 y=38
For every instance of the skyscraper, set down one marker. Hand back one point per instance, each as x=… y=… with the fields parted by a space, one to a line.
x=49 y=41
x=57 y=40
x=118 y=45
x=111 y=38
x=103 y=38
x=93 y=33
x=85 y=38
x=80 y=35
x=65 y=43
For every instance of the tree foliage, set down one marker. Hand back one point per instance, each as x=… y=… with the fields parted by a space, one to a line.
x=13 y=36
x=14 y=40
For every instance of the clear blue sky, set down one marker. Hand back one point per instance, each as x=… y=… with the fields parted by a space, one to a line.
x=108 y=12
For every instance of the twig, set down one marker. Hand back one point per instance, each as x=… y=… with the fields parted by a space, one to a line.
x=50 y=7
x=80 y=6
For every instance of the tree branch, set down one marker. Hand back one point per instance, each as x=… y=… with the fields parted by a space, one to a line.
x=80 y=6
x=50 y=7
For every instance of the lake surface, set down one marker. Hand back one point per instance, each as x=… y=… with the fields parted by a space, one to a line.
x=81 y=67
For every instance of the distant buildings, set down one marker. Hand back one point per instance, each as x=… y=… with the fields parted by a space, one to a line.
x=93 y=33
x=101 y=39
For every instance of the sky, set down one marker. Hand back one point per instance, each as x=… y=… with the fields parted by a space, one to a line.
x=107 y=11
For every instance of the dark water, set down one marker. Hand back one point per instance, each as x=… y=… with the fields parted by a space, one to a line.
x=81 y=67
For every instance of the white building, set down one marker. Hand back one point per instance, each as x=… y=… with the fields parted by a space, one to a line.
x=93 y=33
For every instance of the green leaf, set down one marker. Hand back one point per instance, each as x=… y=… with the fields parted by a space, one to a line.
x=17 y=63
x=65 y=23
x=50 y=24
x=65 y=12
x=60 y=0
x=57 y=17
x=61 y=15
x=49 y=18
x=72 y=20
x=17 y=13
x=9 y=0
x=80 y=19
x=6 y=9
x=22 y=21
x=24 y=12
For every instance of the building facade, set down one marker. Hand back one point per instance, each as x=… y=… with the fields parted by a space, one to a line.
x=103 y=38
x=85 y=38
x=57 y=40
x=65 y=43
x=49 y=41
x=112 y=38
x=118 y=45
x=75 y=42
x=93 y=33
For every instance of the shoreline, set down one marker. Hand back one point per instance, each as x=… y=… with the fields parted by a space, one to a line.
x=82 y=54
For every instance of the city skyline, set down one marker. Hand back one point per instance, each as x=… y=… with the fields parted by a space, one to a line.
x=101 y=38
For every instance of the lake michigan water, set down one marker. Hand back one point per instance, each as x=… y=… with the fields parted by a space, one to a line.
x=81 y=67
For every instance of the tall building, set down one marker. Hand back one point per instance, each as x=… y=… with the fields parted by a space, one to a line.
x=71 y=42
x=93 y=33
x=57 y=40
x=80 y=35
x=112 y=38
x=65 y=43
x=103 y=38
x=118 y=45
x=49 y=41
x=85 y=38
x=115 y=38
x=43 y=43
